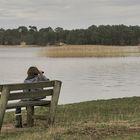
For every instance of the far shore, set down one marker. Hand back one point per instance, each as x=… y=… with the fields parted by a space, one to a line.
x=18 y=46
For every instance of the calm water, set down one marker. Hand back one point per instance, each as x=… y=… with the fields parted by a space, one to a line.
x=83 y=78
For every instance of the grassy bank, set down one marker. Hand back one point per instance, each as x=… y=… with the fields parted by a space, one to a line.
x=91 y=51
x=115 y=119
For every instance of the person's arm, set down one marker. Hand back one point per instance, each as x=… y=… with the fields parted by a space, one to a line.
x=42 y=77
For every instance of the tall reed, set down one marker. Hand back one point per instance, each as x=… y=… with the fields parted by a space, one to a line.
x=91 y=51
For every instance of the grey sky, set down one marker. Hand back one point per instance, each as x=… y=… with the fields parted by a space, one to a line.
x=69 y=14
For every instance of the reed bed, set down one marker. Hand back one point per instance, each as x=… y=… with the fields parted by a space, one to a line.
x=90 y=51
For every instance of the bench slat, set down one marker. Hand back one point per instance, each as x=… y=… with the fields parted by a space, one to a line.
x=22 y=86
x=28 y=103
x=35 y=94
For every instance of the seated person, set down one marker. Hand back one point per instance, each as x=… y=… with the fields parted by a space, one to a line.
x=33 y=75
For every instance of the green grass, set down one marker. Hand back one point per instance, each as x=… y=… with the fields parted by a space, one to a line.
x=115 y=119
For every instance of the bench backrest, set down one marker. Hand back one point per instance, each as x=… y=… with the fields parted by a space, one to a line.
x=29 y=90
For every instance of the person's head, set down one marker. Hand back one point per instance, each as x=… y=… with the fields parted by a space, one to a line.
x=32 y=71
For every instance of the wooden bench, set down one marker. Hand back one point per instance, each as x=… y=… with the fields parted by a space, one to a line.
x=20 y=91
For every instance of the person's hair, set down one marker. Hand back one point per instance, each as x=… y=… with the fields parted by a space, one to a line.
x=33 y=71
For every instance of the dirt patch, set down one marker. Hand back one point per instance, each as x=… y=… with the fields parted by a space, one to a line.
x=100 y=133
x=8 y=127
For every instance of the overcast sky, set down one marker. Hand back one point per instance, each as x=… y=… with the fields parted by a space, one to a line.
x=69 y=14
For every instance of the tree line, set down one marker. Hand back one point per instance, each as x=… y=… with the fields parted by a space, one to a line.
x=97 y=35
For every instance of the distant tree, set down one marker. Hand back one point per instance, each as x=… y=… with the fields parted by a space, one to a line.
x=46 y=36
x=92 y=35
x=32 y=35
x=2 y=36
x=100 y=35
x=32 y=28
x=23 y=33
x=11 y=37
x=59 y=33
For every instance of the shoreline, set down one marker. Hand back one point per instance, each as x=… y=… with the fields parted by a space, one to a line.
x=18 y=46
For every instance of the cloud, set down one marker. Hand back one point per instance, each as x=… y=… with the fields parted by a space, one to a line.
x=125 y=3
x=68 y=13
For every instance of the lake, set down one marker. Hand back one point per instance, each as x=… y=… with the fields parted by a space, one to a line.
x=83 y=78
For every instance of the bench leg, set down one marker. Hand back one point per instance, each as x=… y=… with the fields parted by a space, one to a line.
x=30 y=114
x=3 y=104
x=54 y=102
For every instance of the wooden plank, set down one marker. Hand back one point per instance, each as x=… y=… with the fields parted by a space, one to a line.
x=3 y=103
x=30 y=94
x=30 y=113
x=28 y=103
x=54 y=102
x=0 y=89
x=22 y=86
